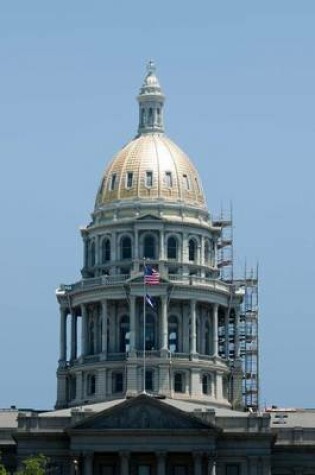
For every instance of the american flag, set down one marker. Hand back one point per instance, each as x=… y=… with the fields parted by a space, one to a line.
x=151 y=276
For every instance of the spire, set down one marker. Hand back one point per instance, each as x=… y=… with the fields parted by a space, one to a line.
x=151 y=101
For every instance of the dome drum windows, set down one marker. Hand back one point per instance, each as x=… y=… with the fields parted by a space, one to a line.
x=129 y=179
x=168 y=179
x=125 y=248
x=106 y=250
x=149 y=246
x=172 y=248
x=186 y=183
x=192 y=250
x=124 y=335
x=112 y=182
x=91 y=384
x=149 y=179
x=117 y=382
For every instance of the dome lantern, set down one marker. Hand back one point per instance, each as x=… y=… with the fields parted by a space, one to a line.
x=151 y=102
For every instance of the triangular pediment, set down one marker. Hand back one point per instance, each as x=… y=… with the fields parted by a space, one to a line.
x=140 y=413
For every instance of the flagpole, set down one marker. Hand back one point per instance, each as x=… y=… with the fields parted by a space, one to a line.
x=144 y=294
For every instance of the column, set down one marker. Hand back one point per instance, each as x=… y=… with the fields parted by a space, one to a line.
x=124 y=463
x=84 y=330
x=202 y=251
x=88 y=464
x=73 y=353
x=211 y=465
x=215 y=329
x=162 y=253
x=161 y=458
x=193 y=327
x=85 y=249
x=164 y=332
x=136 y=247
x=63 y=335
x=104 y=327
x=197 y=463
x=132 y=328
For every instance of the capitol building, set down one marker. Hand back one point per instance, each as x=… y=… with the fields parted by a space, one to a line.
x=158 y=370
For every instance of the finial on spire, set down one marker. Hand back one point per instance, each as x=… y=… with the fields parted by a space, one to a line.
x=151 y=68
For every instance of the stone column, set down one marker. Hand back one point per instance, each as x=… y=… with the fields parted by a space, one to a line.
x=161 y=253
x=202 y=251
x=85 y=249
x=104 y=328
x=136 y=246
x=73 y=353
x=161 y=459
x=215 y=329
x=211 y=465
x=197 y=463
x=193 y=327
x=84 y=330
x=164 y=327
x=132 y=328
x=63 y=335
x=124 y=463
x=88 y=464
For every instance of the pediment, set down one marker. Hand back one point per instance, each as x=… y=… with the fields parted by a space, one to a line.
x=140 y=413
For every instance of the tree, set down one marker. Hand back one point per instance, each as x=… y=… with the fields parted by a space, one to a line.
x=34 y=465
x=2 y=468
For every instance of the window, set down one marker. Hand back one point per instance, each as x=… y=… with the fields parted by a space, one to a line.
x=107 y=470
x=129 y=179
x=173 y=334
x=197 y=184
x=172 y=248
x=92 y=254
x=124 y=335
x=72 y=387
x=207 y=252
x=225 y=385
x=117 y=382
x=179 y=383
x=192 y=250
x=149 y=380
x=126 y=248
x=207 y=338
x=112 y=182
x=149 y=179
x=149 y=247
x=206 y=384
x=149 y=333
x=105 y=250
x=91 y=384
x=168 y=179
x=186 y=182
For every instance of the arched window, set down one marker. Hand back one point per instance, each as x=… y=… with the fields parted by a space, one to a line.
x=206 y=384
x=149 y=247
x=72 y=387
x=126 y=248
x=207 y=252
x=179 y=383
x=173 y=334
x=124 y=335
x=172 y=248
x=92 y=254
x=105 y=250
x=151 y=116
x=192 y=250
x=142 y=117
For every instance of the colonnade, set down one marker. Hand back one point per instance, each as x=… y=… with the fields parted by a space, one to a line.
x=161 y=459
x=102 y=347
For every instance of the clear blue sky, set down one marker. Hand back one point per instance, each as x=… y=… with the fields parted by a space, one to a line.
x=240 y=82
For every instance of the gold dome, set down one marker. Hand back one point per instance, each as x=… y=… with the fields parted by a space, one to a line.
x=151 y=167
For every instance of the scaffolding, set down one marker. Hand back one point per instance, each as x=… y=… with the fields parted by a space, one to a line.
x=238 y=327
